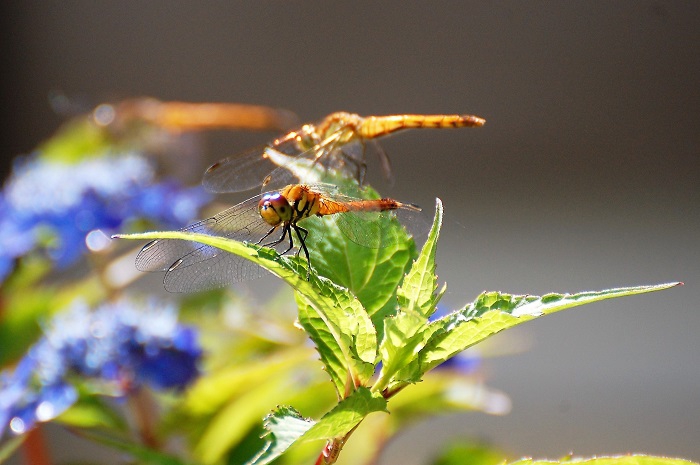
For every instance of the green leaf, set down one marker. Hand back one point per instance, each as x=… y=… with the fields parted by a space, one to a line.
x=464 y=451
x=417 y=292
x=335 y=319
x=619 y=460
x=284 y=426
x=493 y=312
x=344 y=315
x=224 y=408
x=404 y=337
x=371 y=274
x=405 y=334
x=231 y=424
x=338 y=333
x=346 y=415
x=211 y=392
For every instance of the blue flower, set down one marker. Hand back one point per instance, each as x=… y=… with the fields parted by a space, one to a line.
x=24 y=400
x=182 y=204
x=465 y=362
x=119 y=347
x=52 y=205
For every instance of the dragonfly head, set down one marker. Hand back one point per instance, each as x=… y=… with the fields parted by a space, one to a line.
x=274 y=208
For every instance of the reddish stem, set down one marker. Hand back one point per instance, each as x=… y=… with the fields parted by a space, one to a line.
x=34 y=448
x=320 y=460
x=144 y=415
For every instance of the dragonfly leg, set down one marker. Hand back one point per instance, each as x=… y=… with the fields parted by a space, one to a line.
x=322 y=157
x=285 y=231
x=301 y=239
x=299 y=230
x=324 y=150
x=291 y=240
x=266 y=236
x=359 y=164
x=385 y=161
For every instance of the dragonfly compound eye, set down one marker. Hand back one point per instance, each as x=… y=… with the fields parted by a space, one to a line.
x=274 y=209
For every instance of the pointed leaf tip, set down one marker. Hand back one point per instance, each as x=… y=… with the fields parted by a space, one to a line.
x=493 y=312
x=417 y=291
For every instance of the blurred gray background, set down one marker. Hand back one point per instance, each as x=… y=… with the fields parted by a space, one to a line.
x=585 y=176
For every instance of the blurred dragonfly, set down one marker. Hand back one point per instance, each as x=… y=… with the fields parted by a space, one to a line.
x=174 y=116
x=337 y=143
x=192 y=266
x=189 y=116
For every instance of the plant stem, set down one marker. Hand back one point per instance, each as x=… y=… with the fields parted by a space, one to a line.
x=34 y=448
x=145 y=417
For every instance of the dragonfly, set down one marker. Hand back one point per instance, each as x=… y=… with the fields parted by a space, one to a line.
x=337 y=143
x=270 y=219
x=192 y=116
x=174 y=116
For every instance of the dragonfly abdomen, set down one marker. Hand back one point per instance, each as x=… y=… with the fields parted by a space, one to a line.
x=377 y=205
x=377 y=126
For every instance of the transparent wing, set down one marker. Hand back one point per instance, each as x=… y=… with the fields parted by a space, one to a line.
x=191 y=266
x=376 y=230
x=238 y=173
x=292 y=169
x=290 y=160
x=252 y=168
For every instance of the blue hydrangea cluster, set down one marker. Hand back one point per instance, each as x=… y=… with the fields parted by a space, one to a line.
x=118 y=348
x=52 y=205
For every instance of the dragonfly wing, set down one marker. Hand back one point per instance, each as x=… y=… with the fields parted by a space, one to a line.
x=290 y=169
x=374 y=158
x=238 y=173
x=161 y=254
x=292 y=160
x=217 y=269
x=368 y=229
x=192 y=266
x=381 y=229
x=272 y=167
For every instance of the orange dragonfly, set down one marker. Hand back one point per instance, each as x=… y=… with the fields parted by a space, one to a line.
x=192 y=266
x=337 y=143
